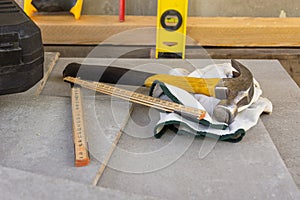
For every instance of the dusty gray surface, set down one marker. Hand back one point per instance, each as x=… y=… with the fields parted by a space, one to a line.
x=16 y=184
x=248 y=170
x=37 y=135
x=284 y=122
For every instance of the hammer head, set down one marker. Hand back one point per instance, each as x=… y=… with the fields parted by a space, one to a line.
x=238 y=91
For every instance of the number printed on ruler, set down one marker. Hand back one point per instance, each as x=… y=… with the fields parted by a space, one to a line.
x=142 y=99
x=80 y=141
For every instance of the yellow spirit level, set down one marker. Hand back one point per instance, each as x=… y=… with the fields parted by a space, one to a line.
x=72 y=6
x=171 y=28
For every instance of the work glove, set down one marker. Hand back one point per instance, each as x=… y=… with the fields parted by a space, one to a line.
x=246 y=118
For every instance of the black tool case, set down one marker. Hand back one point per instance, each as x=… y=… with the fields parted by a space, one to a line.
x=21 y=50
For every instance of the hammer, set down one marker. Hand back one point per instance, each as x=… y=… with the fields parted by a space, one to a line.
x=233 y=92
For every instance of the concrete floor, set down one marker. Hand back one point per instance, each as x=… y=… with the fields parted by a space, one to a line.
x=38 y=147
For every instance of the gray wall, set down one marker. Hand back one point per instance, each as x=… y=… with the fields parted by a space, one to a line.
x=206 y=8
x=213 y=8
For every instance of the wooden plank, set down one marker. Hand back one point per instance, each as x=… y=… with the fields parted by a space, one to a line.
x=87 y=30
x=219 y=31
x=251 y=32
x=112 y=148
x=49 y=63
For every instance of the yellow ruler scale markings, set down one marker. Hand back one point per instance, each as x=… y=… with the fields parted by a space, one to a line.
x=79 y=137
x=185 y=111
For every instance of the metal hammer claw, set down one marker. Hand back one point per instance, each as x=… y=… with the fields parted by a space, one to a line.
x=234 y=93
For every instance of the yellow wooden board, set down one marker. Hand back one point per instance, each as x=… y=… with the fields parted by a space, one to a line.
x=239 y=32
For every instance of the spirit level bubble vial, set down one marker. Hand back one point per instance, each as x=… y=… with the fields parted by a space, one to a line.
x=171 y=28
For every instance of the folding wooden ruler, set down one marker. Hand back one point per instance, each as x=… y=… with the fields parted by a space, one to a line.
x=171 y=28
x=80 y=141
x=163 y=105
